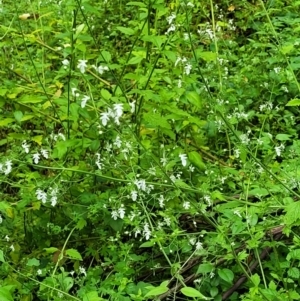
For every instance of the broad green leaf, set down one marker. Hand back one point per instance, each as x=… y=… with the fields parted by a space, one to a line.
x=283 y=137
x=287 y=48
x=105 y=94
x=196 y=159
x=294 y=273
x=50 y=250
x=194 y=98
x=255 y=279
x=293 y=102
x=92 y=296
x=125 y=30
x=6 y=121
x=259 y=192
x=155 y=120
x=31 y=98
x=5 y=294
x=106 y=55
x=38 y=139
x=81 y=224
x=147 y=244
x=294 y=254
x=74 y=254
x=33 y=262
x=207 y=56
x=18 y=115
x=292 y=213
x=2 y=256
x=135 y=60
x=191 y=292
x=205 y=268
x=226 y=275
x=60 y=149
x=79 y=29
x=157 y=291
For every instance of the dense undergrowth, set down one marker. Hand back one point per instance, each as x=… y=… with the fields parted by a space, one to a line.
x=149 y=150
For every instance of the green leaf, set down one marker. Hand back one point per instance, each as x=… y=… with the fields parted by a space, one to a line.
x=74 y=254
x=147 y=244
x=294 y=254
x=50 y=250
x=226 y=275
x=31 y=98
x=33 y=262
x=18 y=115
x=191 y=292
x=196 y=159
x=207 y=56
x=293 y=102
x=294 y=273
x=255 y=279
x=205 y=268
x=106 y=55
x=135 y=60
x=5 y=294
x=283 y=137
x=292 y=213
x=2 y=259
x=125 y=30
x=105 y=94
x=81 y=224
x=154 y=120
x=259 y=192
x=92 y=296
x=157 y=291
x=194 y=98
x=6 y=121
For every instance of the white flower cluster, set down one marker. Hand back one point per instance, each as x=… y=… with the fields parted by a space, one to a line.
x=186 y=65
x=43 y=196
x=119 y=213
x=170 y=20
x=114 y=114
x=6 y=168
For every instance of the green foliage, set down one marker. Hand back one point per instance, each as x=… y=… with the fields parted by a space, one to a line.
x=149 y=149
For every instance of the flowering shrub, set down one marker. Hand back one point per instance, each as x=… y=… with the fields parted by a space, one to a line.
x=149 y=150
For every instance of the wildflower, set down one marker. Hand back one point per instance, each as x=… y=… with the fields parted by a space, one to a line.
x=98 y=163
x=118 y=109
x=73 y=91
x=118 y=142
x=186 y=205
x=62 y=136
x=7 y=238
x=39 y=272
x=84 y=101
x=53 y=201
x=134 y=195
x=171 y=18
x=36 y=158
x=65 y=63
x=44 y=153
x=132 y=106
x=244 y=139
x=237 y=152
x=183 y=158
x=8 y=168
x=163 y=161
x=121 y=211
x=185 y=36
x=161 y=201
x=114 y=214
x=82 y=270
x=140 y=184
x=178 y=60
x=41 y=196
x=279 y=149
x=147 y=231
x=277 y=69
x=237 y=212
x=104 y=118
x=187 y=69
x=167 y=221
x=171 y=28
x=25 y=146
x=12 y=248
x=1 y=219
x=82 y=65
x=101 y=69
x=191 y=168
x=199 y=246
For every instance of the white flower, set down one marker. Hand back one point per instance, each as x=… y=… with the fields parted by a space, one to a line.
x=186 y=205
x=82 y=65
x=132 y=106
x=12 y=248
x=187 y=69
x=185 y=36
x=41 y=196
x=82 y=270
x=25 y=146
x=178 y=61
x=140 y=184
x=104 y=118
x=84 y=101
x=147 y=231
x=277 y=69
x=191 y=168
x=121 y=211
x=8 y=168
x=98 y=163
x=237 y=152
x=171 y=18
x=171 y=28
x=118 y=142
x=62 y=136
x=237 y=212
x=101 y=69
x=65 y=63
x=53 y=201
x=44 y=153
x=36 y=158
x=161 y=201
x=134 y=195
x=163 y=161
x=39 y=272
x=183 y=158
x=244 y=139
x=73 y=91
x=1 y=219
x=199 y=245
x=167 y=221
x=118 y=107
x=114 y=214
x=279 y=149
x=7 y=238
